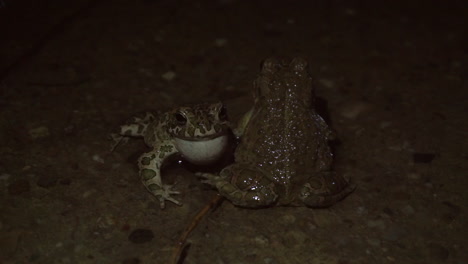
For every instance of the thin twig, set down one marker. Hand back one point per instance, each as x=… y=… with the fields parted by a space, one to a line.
x=181 y=245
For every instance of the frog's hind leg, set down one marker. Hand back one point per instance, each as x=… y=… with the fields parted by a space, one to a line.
x=136 y=128
x=325 y=190
x=245 y=187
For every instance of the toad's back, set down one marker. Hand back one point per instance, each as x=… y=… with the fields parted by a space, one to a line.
x=285 y=137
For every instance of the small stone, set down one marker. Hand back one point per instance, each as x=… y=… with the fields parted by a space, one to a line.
x=414 y=176
x=98 y=158
x=19 y=187
x=327 y=83
x=353 y=110
x=361 y=210
x=39 y=132
x=407 y=210
x=169 y=76
x=4 y=176
x=88 y=193
x=261 y=240
x=220 y=42
x=139 y=236
x=378 y=223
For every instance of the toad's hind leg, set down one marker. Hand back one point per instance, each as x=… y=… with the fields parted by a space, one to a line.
x=244 y=187
x=325 y=190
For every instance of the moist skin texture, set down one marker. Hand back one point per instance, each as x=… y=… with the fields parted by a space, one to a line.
x=283 y=157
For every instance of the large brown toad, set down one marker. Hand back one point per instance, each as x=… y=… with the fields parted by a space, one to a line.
x=283 y=157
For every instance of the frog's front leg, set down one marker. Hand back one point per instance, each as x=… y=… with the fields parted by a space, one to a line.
x=136 y=128
x=150 y=172
x=244 y=187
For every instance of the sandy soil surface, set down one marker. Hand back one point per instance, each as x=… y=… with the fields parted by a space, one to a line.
x=393 y=76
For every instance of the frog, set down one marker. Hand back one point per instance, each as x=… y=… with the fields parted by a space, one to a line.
x=283 y=157
x=199 y=133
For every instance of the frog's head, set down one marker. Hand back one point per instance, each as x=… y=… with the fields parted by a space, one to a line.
x=201 y=132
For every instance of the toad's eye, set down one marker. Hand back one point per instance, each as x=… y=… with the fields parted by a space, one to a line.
x=222 y=115
x=180 y=118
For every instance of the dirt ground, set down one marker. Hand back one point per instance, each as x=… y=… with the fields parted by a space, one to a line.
x=393 y=75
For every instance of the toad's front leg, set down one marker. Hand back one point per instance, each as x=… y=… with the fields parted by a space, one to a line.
x=150 y=172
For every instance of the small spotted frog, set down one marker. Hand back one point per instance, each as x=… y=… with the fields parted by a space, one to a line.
x=283 y=157
x=200 y=133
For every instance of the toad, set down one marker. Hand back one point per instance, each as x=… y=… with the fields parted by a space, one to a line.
x=283 y=157
x=199 y=133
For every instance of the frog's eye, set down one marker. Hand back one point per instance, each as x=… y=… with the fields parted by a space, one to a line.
x=180 y=118
x=222 y=115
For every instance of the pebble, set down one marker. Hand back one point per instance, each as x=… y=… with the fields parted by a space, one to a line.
x=262 y=240
x=140 y=236
x=327 y=83
x=353 y=110
x=4 y=176
x=169 y=76
x=39 y=132
x=379 y=223
x=88 y=193
x=361 y=210
x=220 y=42
x=407 y=210
x=414 y=176
x=98 y=158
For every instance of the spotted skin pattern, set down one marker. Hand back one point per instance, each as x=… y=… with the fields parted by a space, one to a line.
x=166 y=133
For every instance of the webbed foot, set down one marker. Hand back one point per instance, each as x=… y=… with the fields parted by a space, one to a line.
x=208 y=178
x=163 y=193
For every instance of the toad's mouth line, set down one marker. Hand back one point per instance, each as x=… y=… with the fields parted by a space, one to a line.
x=202 y=138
